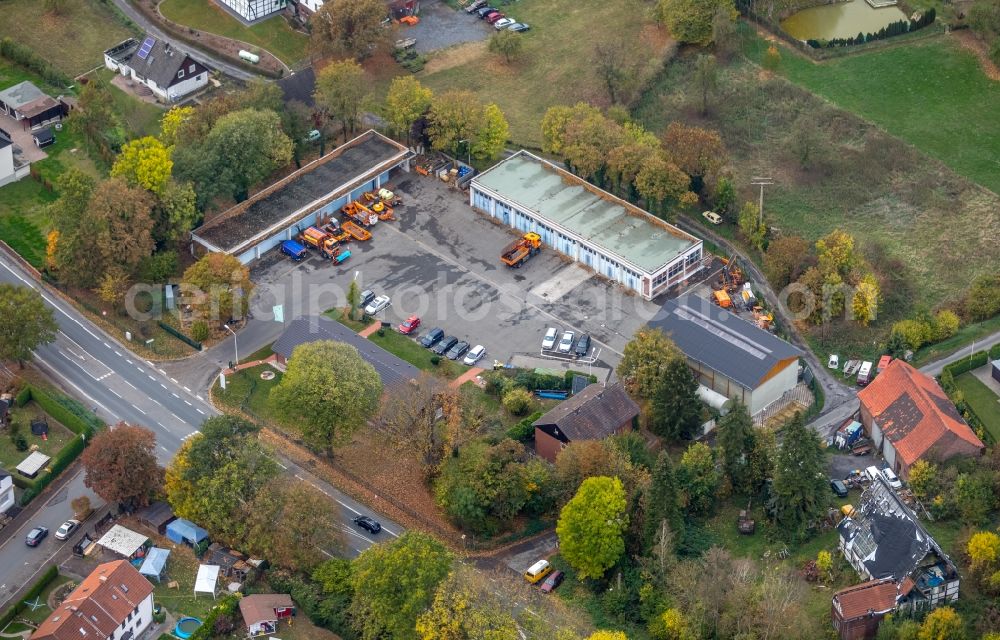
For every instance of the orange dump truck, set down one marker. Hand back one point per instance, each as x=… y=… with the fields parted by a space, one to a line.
x=521 y=250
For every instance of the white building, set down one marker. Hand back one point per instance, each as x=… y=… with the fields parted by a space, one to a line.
x=611 y=236
x=115 y=602
x=6 y=491
x=252 y=10
x=170 y=74
x=12 y=167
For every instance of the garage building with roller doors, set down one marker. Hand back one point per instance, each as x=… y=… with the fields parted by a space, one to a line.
x=616 y=239
x=282 y=210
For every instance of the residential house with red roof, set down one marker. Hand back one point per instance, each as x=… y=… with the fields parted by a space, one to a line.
x=909 y=417
x=858 y=610
x=115 y=602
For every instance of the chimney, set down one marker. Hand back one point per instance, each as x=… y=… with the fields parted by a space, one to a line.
x=103 y=578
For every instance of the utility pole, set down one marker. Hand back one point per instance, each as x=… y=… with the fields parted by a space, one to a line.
x=761 y=182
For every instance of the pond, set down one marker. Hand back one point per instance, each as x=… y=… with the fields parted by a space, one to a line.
x=839 y=20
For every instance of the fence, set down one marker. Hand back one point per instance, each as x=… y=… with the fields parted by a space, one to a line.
x=194 y=344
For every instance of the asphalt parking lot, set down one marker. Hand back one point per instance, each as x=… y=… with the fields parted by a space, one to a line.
x=441 y=26
x=440 y=261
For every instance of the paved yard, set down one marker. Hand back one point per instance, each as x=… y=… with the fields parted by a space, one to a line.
x=441 y=26
x=22 y=138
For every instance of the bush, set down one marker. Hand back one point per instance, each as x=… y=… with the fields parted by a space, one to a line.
x=20 y=442
x=199 y=331
x=974 y=361
x=435 y=360
x=945 y=324
x=225 y=608
x=158 y=267
x=524 y=431
x=914 y=332
x=25 y=57
x=517 y=401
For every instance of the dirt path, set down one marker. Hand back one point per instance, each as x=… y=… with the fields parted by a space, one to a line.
x=971 y=42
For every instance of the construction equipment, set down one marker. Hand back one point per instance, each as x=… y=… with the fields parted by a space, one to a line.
x=356 y=231
x=521 y=250
x=732 y=275
x=763 y=318
x=359 y=213
x=327 y=241
x=721 y=298
x=389 y=197
x=383 y=211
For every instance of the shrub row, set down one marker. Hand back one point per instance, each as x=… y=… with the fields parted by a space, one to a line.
x=36 y=589
x=897 y=28
x=524 y=431
x=974 y=361
x=21 y=55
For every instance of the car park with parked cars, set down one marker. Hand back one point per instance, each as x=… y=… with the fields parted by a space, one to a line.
x=892 y=478
x=582 y=346
x=549 y=341
x=552 y=582
x=377 y=305
x=443 y=345
x=457 y=350
x=409 y=325
x=482 y=12
x=518 y=27
x=494 y=17
x=368 y=524
x=366 y=296
x=566 y=342
x=474 y=355
x=432 y=337
x=503 y=23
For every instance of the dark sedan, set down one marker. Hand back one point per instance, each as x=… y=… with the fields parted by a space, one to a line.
x=446 y=343
x=432 y=337
x=839 y=488
x=458 y=350
x=368 y=524
x=35 y=536
x=582 y=346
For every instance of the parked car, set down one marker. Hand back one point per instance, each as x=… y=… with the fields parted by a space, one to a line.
x=35 y=536
x=566 y=343
x=378 y=304
x=503 y=23
x=892 y=479
x=493 y=18
x=457 y=350
x=478 y=4
x=366 y=296
x=444 y=344
x=473 y=356
x=518 y=27
x=482 y=12
x=582 y=346
x=833 y=362
x=712 y=217
x=549 y=341
x=432 y=337
x=552 y=582
x=538 y=571
x=67 y=529
x=368 y=524
x=313 y=136
x=839 y=488
x=409 y=326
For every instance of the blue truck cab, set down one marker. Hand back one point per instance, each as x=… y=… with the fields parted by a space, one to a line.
x=293 y=249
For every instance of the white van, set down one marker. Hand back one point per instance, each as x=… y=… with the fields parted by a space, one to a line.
x=537 y=571
x=873 y=473
x=864 y=373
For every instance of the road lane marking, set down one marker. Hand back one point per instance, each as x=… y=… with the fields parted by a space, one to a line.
x=114 y=392
x=117 y=353
x=175 y=395
x=129 y=384
x=282 y=466
x=150 y=377
x=174 y=380
x=199 y=411
x=186 y=389
x=129 y=361
x=188 y=403
x=79 y=390
x=163 y=385
x=138 y=409
x=164 y=448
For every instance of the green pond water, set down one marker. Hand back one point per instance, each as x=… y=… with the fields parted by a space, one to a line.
x=839 y=20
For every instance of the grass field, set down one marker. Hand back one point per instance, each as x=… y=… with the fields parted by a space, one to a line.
x=73 y=42
x=557 y=63
x=983 y=401
x=58 y=436
x=273 y=34
x=932 y=94
x=410 y=350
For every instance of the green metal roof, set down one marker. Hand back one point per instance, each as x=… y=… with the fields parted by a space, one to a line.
x=594 y=215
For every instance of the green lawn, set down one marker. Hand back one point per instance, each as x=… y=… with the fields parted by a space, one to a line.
x=140 y=118
x=355 y=325
x=58 y=436
x=182 y=567
x=73 y=41
x=410 y=350
x=932 y=94
x=39 y=614
x=273 y=34
x=246 y=391
x=983 y=401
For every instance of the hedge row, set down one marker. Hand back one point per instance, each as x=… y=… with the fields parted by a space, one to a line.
x=36 y=590
x=25 y=57
x=524 y=430
x=227 y=606
x=974 y=361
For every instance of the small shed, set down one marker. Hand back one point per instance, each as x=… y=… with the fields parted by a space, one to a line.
x=124 y=542
x=207 y=580
x=181 y=531
x=262 y=611
x=34 y=463
x=157 y=516
x=155 y=563
x=43 y=137
x=995 y=370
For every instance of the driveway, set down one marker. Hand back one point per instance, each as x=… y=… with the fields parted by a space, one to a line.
x=22 y=138
x=441 y=26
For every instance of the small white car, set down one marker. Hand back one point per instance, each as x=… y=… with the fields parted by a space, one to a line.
x=833 y=362
x=503 y=23
x=549 y=341
x=67 y=529
x=712 y=217
x=378 y=304
x=566 y=343
x=892 y=479
x=473 y=356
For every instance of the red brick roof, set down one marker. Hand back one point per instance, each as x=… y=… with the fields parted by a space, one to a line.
x=878 y=596
x=916 y=415
x=98 y=606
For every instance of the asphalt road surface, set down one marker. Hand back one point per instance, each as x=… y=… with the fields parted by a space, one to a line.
x=101 y=372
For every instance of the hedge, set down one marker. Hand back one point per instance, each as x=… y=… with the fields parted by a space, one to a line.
x=36 y=590
x=995 y=352
x=524 y=430
x=974 y=361
x=226 y=606
x=23 y=396
x=25 y=57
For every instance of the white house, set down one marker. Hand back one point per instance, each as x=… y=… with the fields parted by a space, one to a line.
x=251 y=10
x=6 y=491
x=169 y=73
x=115 y=602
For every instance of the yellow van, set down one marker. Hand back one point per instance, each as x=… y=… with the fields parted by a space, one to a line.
x=538 y=571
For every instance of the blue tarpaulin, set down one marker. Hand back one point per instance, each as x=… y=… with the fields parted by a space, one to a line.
x=154 y=563
x=181 y=530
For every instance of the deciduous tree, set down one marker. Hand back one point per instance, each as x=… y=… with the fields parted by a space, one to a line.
x=341 y=90
x=507 y=44
x=800 y=483
x=983 y=550
x=175 y=212
x=25 y=322
x=146 y=163
x=406 y=101
x=864 y=303
x=591 y=526
x=675 y=409
x=698 y=478
x=557 y=119
x=172 y=124
x=697 y=151
x=113 y=286
x=118 y=226
x=804 y=139
x=293 y=523
x=923 y=479
x=218 y=287
x=946 y=324
x=724 y=34
x=671 y=625
x=491 y=136
x=659 y=180
x=983 y=299
x=97 y=120
x=349 y=27
x=751 y=226
x=835 y=253
x=454 y=117
x=120 y=465
x=643 y=362
x=328 y=391
x=785 y=259
x=662 y=500
x=395 y=582
x=616 y=61
x=467 y=607
x=243 y=148
x=943 y=623
x=760 y=466
x=691 y=20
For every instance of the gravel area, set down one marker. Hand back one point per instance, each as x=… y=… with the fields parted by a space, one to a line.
x=441 y=26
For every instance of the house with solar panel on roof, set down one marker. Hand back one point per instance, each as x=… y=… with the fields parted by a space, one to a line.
x=169 y=73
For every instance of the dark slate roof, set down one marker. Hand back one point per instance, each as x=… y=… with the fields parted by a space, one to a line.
x=296 y=196
x=592 y=414
x=43 y=135
x=160 y=65
x=158 y=513
x=392 y=369
x=722 y=340
x=5 y=140
x=4 y=473
x=299 y=86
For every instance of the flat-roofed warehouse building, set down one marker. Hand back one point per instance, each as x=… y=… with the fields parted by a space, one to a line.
x=279 y=212
x=611 y=236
